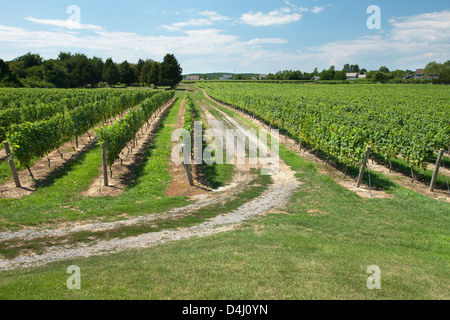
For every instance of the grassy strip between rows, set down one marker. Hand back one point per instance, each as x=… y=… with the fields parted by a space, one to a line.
x=319 y=247
x=217 y=175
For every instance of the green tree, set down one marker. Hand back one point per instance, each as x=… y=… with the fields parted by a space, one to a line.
x=139 y=66
x=171 y=71
x=31 y=60
x=64 y=56
x=107 y=64
x=444 y=75
x=326 y=75
x=145 y=71
x=340 y=75
x=99 y=65
x=111 y=73
x=384 y=69
x=55 y=73
x=380 y=77
x=126 y=73
x=7 y=78
x=155 y=75
x=85 y=72
x=354 y=68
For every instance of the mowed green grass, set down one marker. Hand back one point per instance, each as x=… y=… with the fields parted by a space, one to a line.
x=318 y=247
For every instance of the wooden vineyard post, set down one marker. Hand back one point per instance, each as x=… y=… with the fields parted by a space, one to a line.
x=436 y=170
x=104 y=164
x=363 y=166
x=11 y=164
x=187 y=165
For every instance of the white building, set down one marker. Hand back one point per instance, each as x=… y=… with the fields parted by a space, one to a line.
x=352 y=76
x=226 y=77
x=192 y=78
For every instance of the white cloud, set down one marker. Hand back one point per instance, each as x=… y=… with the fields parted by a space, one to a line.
x=297 y=9
x=258 y=41
x=289 y=14
x=170 y=28
x=273 y=18
x=317 y=9
x=213 y=16
x=428 y=27
x=193 y=23
x=63 y=24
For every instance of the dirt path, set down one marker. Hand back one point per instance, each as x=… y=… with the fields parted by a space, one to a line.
x=179 y=185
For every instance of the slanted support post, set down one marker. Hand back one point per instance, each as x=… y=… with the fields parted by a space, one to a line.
x=12 y=164
x=187 y=164
x=363 y=166
x=436 y=170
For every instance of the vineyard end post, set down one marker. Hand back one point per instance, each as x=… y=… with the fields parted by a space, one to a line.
x=436 y=170
x=11 y=164
x=187 y=164
x=104 y=164
x=363 y=166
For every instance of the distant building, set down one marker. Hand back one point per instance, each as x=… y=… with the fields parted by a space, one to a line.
x=263 y=76
x=352 y=75
x=362 y=76
x=315 y=78
x=420 y=73
x=192 y=78
x=226 y=77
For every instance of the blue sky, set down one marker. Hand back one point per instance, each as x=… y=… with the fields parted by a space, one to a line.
x=226 y=36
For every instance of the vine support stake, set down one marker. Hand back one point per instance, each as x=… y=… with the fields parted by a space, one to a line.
x=187 y=165
x=363 y=166
x=436 y=170
x=105 y=164
x=11 y=164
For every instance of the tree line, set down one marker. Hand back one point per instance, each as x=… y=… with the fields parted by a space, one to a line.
x=77 y=70
x=439 y=72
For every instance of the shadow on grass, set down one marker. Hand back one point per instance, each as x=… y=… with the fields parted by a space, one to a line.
x=211 y=175
x=421 y=175
x=138 y=167
x=66 y=167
